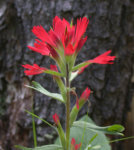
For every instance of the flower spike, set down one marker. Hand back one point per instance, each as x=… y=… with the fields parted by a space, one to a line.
x=64 y=37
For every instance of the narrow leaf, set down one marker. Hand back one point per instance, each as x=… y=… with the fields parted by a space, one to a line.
x=93 y=147
x=36 y=86
x=61 y=87
x=61 y=135
x=122 y=139
x=34 y=129
x=113 y=129
x=73 y=75
x=54 y=73
x=41 y=119
x=89 y=147
x=80 y=65
x=23 y=148
x=91 y=140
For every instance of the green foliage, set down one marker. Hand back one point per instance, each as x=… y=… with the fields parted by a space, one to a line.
x=34 y=129
x=36 y=86
x=46 y=147
x=54 y=73
x=113 y=129
x=100 y=140
x=93 y=136
x=77 y=67
x=73 y=75
x=91 y=139
x=41 y=119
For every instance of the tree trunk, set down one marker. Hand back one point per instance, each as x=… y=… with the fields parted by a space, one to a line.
x=111 y=27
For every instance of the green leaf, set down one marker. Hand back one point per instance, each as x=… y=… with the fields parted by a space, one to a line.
x=89 y=147
x=122 y=139
x=116 y=128
x=34 y=128
x=41 y=119
x=73 y=75
x=94 y=136
x=61 y=87
x=22 y=147
x=36 y=86
x=77 y=133
x=46 y=147
x=113 y=129
x=61 y=135
x=80 y=65
x=54 y=73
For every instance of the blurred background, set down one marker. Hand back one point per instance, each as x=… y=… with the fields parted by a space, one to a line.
x=111 y=26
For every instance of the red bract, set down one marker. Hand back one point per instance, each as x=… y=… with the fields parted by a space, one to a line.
x=81 y=28
x=103 y=58
x=85 y=94
x=74 y=146
x=77 y=146
x=56 y=119
x=63 y=37
x=54 y=68
x=40 y=47
x=84 y=97
x=73 y=141
x=43 y=35
x=77 y=104
x=35 y=69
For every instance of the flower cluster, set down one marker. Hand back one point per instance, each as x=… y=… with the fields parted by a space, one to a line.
x=62 y=43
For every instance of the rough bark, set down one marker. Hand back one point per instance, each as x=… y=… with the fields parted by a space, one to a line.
x=111 y=27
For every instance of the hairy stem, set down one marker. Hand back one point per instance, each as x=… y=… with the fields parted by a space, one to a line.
x=67 y=108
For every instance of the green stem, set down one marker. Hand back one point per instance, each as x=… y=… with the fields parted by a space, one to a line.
x=34 y=128
x=67 y=108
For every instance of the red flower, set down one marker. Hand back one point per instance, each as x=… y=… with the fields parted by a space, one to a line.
x=35 y=69
x=56 y=119
x=77 y=104
x=103 y=58
x=63 y=36
x=54 y=68
x=73 y=141
x=84 y=96
x=79 y=44
x=81 y=28
x=77 y=146
x=40 y=47
x=43 y=35
x=74 y=146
